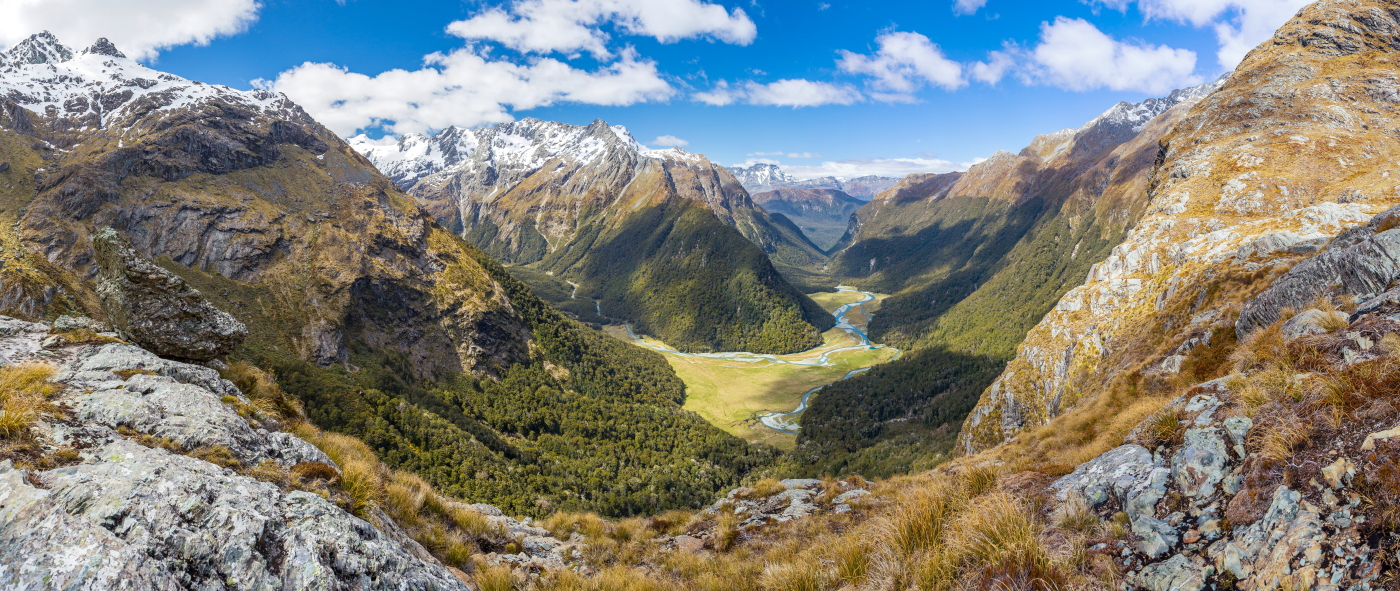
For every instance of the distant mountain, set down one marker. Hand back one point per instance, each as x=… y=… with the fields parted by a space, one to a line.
x=761 y=178
x=661 y=238
x=822 y=214
x=974 y=260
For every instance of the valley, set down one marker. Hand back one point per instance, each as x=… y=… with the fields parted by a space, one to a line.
x=751 y=395
x=1156 y=352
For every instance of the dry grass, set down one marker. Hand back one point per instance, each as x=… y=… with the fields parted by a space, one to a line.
x=25 y=390
x=264 y=393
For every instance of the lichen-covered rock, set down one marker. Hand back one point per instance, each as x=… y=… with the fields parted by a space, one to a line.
x=1176 y=574
x=1363 y=260
x=1199 y=466
x=1113 y=475
x=158 y=310
x=1310 y=322
x=198 y=525
x=137 y=517
x=182 y=402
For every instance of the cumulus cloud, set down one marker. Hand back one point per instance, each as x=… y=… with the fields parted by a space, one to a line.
x=1073 y=54
x=783 y=93
x=140 y=28
x=668 y=141
x=892 y=167
x=905 y=62
x=571 y=26
x=464 y=88
x=967 y=6
x=1239 y=25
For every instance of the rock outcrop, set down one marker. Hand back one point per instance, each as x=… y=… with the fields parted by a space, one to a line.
x=125 y=515
x=1362 y=261
x=157 y=309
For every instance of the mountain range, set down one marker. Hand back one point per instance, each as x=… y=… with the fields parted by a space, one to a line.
x=822 y=214
x=663 y=239
x=762 y=177
x=1157 y=351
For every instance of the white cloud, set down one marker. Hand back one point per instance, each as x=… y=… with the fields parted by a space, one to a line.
x=893 y=167
x=462 y=88
x=967 y=6
x=783 y=93
x=571 y=26
x=141 y=28
x=1239 y=25
x=668 y=141
x=1073 y=54
x=778 y=153
x=803 y=155
x=904 y=63
x=997 y=65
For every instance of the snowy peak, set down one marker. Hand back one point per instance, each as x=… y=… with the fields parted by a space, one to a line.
x=42 y=48
x=509 y=150
x=1137 y=115
x=100 y=87
x=762 y=177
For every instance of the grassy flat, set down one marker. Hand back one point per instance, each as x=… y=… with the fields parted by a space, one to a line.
x=729 y=394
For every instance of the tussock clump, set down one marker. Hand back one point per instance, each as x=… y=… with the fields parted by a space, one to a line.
x=25 y=390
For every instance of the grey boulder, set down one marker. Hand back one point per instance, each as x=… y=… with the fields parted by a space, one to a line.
x=156 y=309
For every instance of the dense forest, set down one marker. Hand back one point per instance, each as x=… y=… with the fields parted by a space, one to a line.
x=591 y=423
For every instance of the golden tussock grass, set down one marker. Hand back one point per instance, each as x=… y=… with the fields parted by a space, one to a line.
x=25 y=390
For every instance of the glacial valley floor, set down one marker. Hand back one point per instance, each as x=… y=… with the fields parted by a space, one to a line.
x=732 y=393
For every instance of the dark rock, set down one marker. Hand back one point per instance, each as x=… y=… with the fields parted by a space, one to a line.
x=105 y=47
x=156 y=309
x=4 y=166
x=1362 y=260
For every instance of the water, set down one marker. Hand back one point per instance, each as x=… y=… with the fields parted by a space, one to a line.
x=778 y=421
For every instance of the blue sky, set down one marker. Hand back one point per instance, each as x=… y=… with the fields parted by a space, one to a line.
x=822 y=87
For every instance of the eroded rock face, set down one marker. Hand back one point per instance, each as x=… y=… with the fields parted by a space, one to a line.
x=157 y=309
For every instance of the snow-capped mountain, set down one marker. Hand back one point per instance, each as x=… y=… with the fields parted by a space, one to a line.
x=99 y=87
x=762 y=177
x=464 y=177
x=590 y=204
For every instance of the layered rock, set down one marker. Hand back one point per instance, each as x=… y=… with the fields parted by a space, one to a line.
x=1291 y=151
x=157 y=309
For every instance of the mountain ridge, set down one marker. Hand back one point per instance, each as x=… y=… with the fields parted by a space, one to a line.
x=552 y=196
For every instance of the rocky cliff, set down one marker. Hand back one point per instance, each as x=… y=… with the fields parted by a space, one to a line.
x=591 y=205
x=1293 y=149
